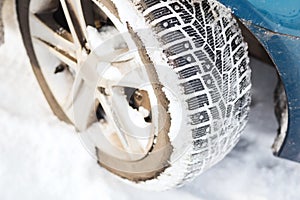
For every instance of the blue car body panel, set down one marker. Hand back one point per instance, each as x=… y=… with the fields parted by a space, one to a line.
x=281 y=16
x=276 y=24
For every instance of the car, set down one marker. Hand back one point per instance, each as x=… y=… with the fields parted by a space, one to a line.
x=159 y=90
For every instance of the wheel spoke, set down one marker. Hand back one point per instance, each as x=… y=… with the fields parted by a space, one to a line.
x=83 y=105
x=125 y=113
x=67 y=105
x=75 y=19
x=130 y=143
x=122 y=74
x=60 y=54
x=133 y=79
x=44 y=27
x=110 y=118
x=116 y=67
x=112 y=13
x=96 y=66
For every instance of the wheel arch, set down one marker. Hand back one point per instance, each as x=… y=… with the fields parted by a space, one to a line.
x=280 y=50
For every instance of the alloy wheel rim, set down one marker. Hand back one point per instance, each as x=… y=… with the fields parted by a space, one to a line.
x=65 y=48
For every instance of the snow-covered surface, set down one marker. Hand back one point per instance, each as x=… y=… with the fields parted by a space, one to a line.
x=42 y=158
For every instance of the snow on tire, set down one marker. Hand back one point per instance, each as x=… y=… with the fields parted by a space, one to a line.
x=205 y=48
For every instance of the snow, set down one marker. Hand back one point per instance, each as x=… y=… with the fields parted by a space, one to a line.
x=42 y=158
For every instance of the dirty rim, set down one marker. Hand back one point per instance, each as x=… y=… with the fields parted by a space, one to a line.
x=65 y=36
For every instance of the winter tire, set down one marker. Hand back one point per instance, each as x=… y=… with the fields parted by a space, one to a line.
x=206 y=71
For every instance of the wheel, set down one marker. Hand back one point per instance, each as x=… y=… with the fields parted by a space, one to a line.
x=159 y=89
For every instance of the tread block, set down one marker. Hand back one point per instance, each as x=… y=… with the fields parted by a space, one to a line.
x=215 y=95
x=179 y=48
x=197 y=102
x=200 y=155
x=188 y=5
x=225 y=87
x=192 y=86
x=227 y=59
x=210 y=37
x=244 y=84
x=222 y=108
x=207 y=66
x=197 y=39
x=233 y=77
x=219 y=37
x=215 y=113
x=184 y=11
x=219 y=62
x=236 y=42
x=229 y=33
x=209 y=18
x=233 y=95
x=158 y=13
x=200 y=144
x=145 y=4
x=186 y=17
x=228 y=111
x=172 y=36
x=210 y=52
x=225 y=22
x=238 y=55
x=218 y=78
x=209 y=82
x=201 y=132
x=242 y=67
x=199 y=15
x=183 y=60
x=199 y=118
x=188 y=72
x=167 y=24
x=200 y=29
x=177 y=7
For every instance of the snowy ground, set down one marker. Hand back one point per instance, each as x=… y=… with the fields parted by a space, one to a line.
x=42 y=158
